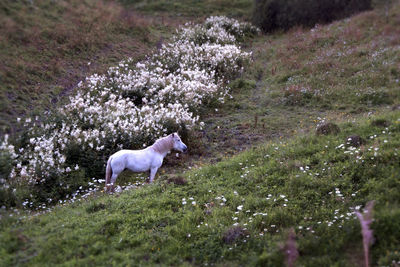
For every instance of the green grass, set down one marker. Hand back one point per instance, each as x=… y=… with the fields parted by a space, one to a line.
x=349 y=66
x=150 y=225
x=334 y=72
x=193 y=8
x=47 y=47
x=349 y=70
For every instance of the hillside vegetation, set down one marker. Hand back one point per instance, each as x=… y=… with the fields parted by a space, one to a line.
x=47 y=47
x=235 y=212
x=193 y=8
x=211 y=208
x=338 y=72
x=129 y=106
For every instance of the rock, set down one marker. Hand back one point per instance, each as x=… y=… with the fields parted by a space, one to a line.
x=177 y=180
x=355 y=140
x=328 y=128
x=396 y=107
x=233 y=234
x=380 y=123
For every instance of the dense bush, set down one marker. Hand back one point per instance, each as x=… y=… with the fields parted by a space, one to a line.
x=271 y=15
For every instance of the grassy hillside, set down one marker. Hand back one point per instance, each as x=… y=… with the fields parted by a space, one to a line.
x=47 y=47
x=240 y=210
x=237 y=211
x=299 y=79
x=193 y=8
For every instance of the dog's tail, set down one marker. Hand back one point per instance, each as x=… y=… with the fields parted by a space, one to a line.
x=108 y=172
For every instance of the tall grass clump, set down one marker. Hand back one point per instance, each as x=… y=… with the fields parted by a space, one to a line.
x=272 y=15
x=129 y=106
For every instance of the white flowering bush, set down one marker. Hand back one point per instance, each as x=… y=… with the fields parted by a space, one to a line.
x=217 y=29
x=220 y=61
x=129 y=106
x=190 y=87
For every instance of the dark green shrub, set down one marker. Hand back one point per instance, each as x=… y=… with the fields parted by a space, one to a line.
x=271 y=15
x=56 y=187
x=7 y=198
x=5 y=166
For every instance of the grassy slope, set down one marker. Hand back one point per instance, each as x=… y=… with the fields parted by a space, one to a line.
x=334 y=73
x=45 y=48
x=137 y=224
x=151 y=225
x=194 y=8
